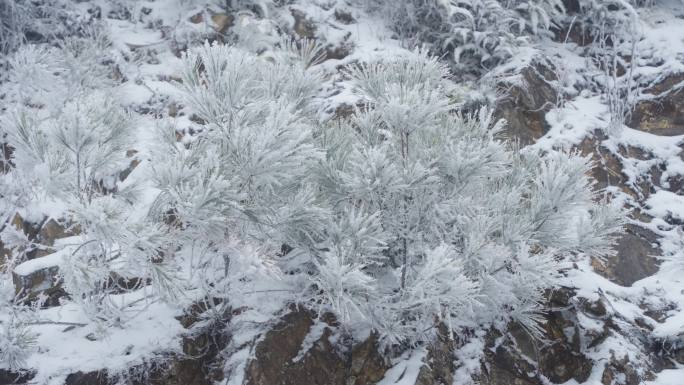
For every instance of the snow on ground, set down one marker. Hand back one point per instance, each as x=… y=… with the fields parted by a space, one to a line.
x=66 y=349
x=668 y=377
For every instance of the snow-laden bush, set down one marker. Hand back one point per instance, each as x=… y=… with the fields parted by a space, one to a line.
x=614 y=27
x=238 y=189
x=16 y=344
x=46 y=76
x=609 y=16
x=73 y=159
x=70 y=138
x=434 y=219
x=475 y=34
x=17 y=341
x=36 y=21
x=403 y=217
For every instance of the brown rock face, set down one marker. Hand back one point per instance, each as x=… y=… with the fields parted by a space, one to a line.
x=607 y=170
x=44 y=280
x=506 y=366
x=560 y=357
x=275 y=353
x=663 y=115
x=303 y=27
x=29 y=228
x=89 y=378
x=634 y=257
x=635 y=252
x=45 y=233
x=49 y=232
x=623 y=372
x=526 y=105
x=367 y=365
x=519 y=358
x=222 y=22
x=13 y=378
x=439 y=368
x=278 y=360
x=40 y=281
x=52 y=231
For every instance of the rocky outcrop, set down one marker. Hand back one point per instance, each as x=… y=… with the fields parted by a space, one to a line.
x=561 y=356
x=662 y=113
x=278 y=359
x=8 y=377
x=303 y=26
x=504 y=365
x=636 y=250
x=526 y=103
x=222 y=22
x=39 y=276
x=42 y=234
x=367 y=363
x=274 y=355
x=439 y=365
x=30 y=229
x=634 y=257
x=88 y=378
x=607 y=168
x=523 y=358
x=621 y=371
x=41 y=281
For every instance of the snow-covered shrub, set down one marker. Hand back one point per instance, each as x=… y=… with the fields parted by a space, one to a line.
x=615 y=54
x=402 y=217
x=475 y=34
x=608 y=16
x=238 y=189
x=74 y=158
x=614 y=28
x=42 y=76
x=70 y=138
x=36 y=21
x=434 y=219
x=16 y=344
x=77 y=150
